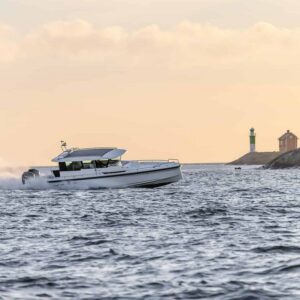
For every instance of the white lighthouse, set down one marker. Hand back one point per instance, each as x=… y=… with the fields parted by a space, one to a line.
x=252 y=140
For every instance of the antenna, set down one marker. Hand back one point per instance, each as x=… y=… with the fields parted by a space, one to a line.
x=63 y=145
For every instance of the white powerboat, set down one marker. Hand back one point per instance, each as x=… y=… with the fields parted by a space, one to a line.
x=98 y=168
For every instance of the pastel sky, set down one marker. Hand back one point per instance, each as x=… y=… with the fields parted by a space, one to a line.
x=163 y=78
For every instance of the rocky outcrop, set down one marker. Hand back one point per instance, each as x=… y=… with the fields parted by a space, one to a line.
x=256 y=158
x=289 y=159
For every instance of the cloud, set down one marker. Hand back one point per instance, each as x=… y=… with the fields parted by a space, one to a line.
x=74 y=40
x=187 y=45
x=8 y=48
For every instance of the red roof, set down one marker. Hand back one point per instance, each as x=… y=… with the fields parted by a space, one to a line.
x=287 y=135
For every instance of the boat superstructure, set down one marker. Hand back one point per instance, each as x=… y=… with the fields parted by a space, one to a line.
x=103 y=168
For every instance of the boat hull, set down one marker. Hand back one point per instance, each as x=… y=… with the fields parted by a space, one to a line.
x=134 y=179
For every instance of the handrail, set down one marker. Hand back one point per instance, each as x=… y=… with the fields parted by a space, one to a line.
x=156 y=160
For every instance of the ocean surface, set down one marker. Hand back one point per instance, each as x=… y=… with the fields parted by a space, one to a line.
x=217 y=234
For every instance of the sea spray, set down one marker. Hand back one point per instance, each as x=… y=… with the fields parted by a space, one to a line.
x=10 y=178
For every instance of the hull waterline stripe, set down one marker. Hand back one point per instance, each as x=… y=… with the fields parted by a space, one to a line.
x=113 y=175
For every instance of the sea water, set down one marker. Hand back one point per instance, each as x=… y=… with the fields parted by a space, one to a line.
x=219 y=233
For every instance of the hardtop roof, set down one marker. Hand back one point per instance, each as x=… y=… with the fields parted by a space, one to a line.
x=83 y=154
x=89 y=152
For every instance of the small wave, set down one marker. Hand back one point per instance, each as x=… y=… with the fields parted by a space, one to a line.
x=95 y=243
x=239 y=190
x=113 y=252
x=28 y=281
x=44 y=295
x=89 y=241
x=277 y=249
x=86 y=258
x=290 y=266
x=246 y=294
x=53 y=267
x=196 y=293
x=79 y=238
x=206 y=212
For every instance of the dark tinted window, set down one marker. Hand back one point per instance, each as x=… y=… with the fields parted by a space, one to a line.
x=70 y=166
x=62 y=166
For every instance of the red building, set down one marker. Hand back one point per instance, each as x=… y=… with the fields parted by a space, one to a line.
x=288 y=142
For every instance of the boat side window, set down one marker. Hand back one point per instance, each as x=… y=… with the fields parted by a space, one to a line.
x=70 y=166
x=76 y=165
x=101 y=164
x=87 y=164
x=114 y=162
x=62 y=166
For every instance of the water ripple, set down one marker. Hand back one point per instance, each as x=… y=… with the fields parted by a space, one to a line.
x=217 y=234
